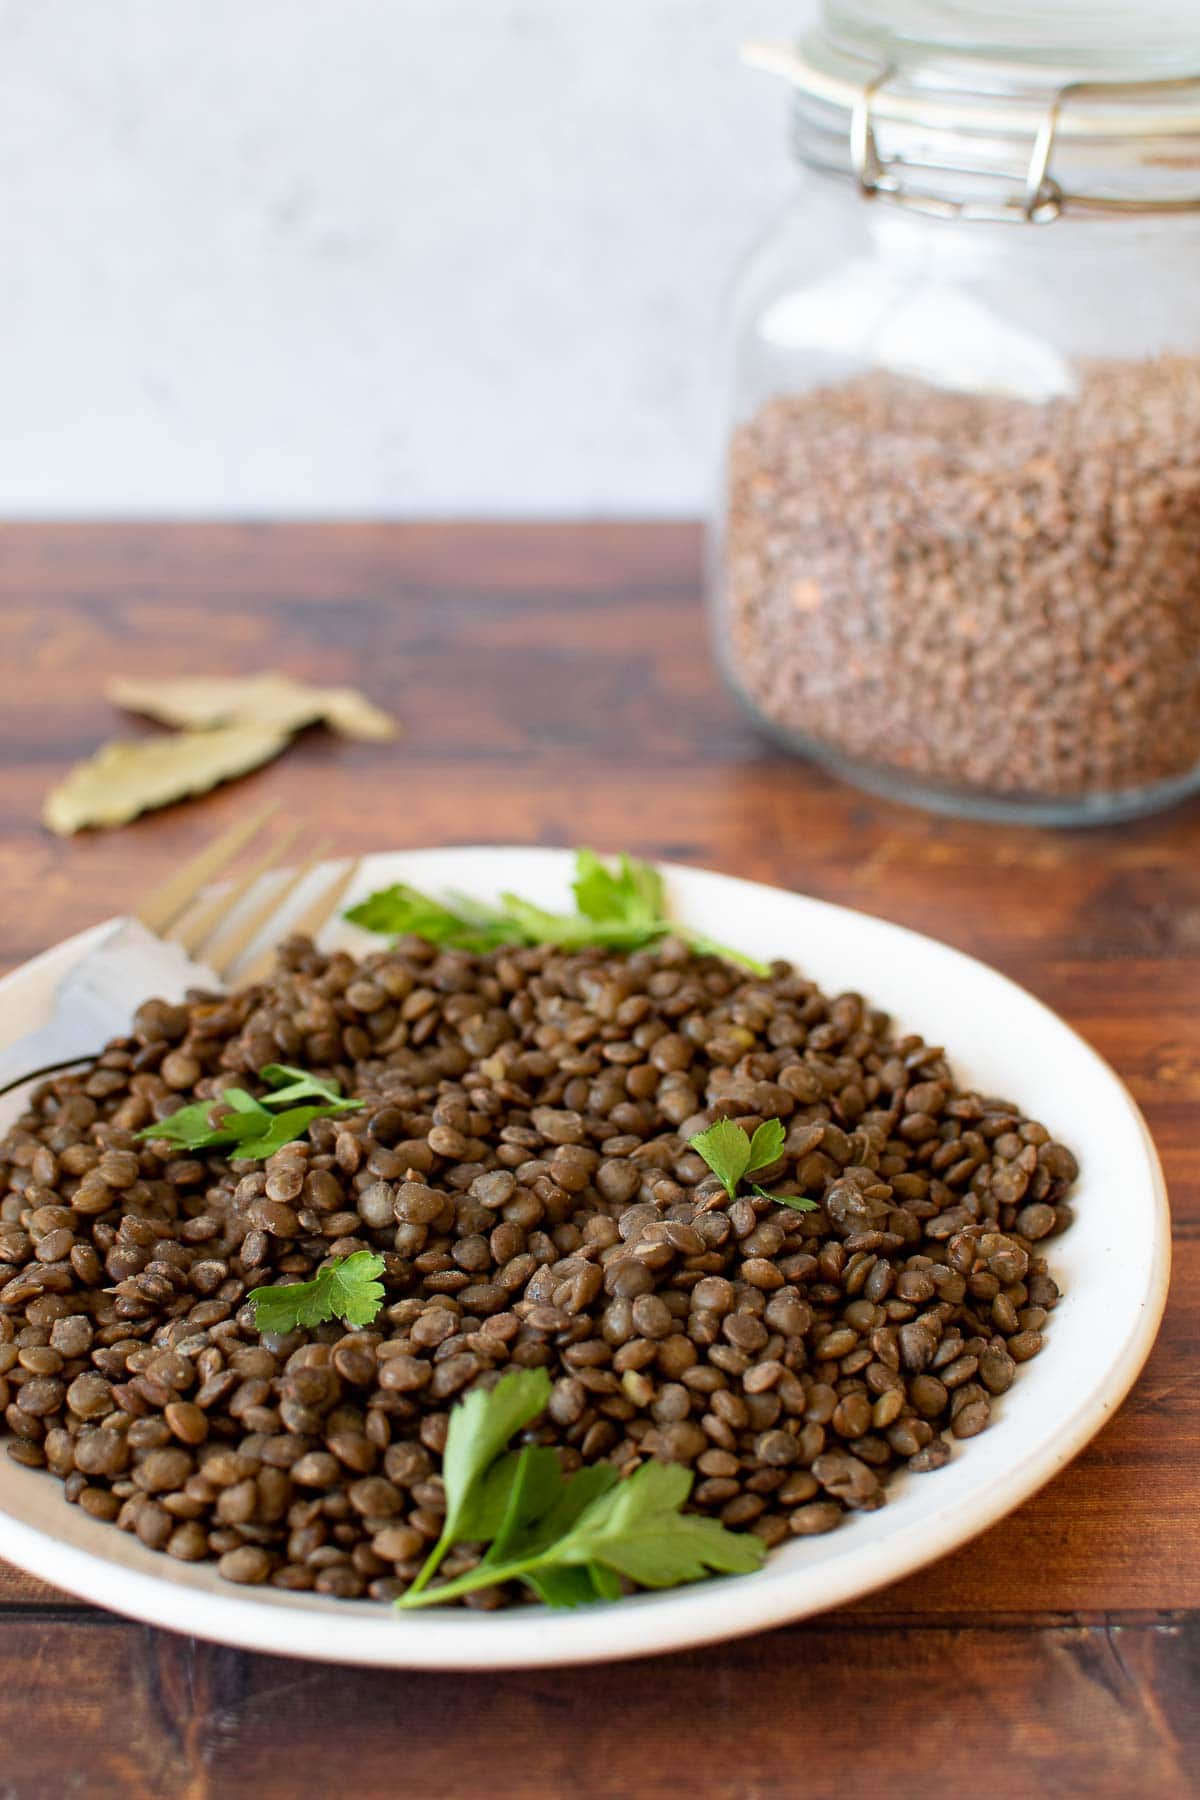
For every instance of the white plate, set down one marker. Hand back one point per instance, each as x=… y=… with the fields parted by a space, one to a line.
x=1113 y=1265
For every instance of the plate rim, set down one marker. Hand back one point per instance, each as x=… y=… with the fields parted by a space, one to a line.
x=363 y=1634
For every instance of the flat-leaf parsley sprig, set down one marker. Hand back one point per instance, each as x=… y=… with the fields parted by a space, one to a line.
x=732 y=1155
x=621 y=908
x=347 y=1288
x=570 y=1539
x=249 y=1129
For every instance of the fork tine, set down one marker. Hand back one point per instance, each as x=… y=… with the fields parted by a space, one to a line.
x=308 y=924
x=325 y=905
x=200 y=921
x=236 y=941
x=177 y=892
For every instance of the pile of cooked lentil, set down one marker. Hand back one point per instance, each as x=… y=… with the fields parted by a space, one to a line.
x=522 y=1165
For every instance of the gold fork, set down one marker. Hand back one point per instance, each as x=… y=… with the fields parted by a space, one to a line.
x=179 y=938
x=177 y=914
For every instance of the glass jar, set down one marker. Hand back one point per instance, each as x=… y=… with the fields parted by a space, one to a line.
x=956 y=553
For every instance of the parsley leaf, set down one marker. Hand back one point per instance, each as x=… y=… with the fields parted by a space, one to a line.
x=766 y=1146
x=726 y=1149
x=637 y=1529
x=535 y=924
x=247 y=1128
x=192 y=1128
x=600 y=1529
x=480 y=1427
x=633 y=894
x=290 y=1085
x=514 y=1491
x=347 y=1288
x=797 y=1202
x=618 y=909
x=282 y=1128
x=400 y=911
x=570 y=1539
x=241 y=1101
x=732 y=1155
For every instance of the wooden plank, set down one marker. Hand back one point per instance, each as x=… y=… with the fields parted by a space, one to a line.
x=554 y=794
x=19 y=1589
x=1052 y=1707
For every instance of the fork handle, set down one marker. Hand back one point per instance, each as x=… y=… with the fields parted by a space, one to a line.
x=56 y=1046
x=52 y=1068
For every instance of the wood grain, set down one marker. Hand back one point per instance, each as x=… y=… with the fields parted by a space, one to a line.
x=1012 y=1709
x=556 y=687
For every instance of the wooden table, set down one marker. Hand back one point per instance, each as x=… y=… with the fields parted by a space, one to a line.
x=556 y=688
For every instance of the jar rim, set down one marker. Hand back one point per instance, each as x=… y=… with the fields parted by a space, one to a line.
x=1099 y=108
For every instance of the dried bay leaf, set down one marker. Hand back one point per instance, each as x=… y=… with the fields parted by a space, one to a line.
x=129 y=777
x=353 y=715
x=197 y=702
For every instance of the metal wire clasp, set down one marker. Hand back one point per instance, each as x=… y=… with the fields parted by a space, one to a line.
x=1041 y=197
x=864 y=151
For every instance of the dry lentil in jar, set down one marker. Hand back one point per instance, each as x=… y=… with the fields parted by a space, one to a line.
x=981 y=592
x=522 y=1165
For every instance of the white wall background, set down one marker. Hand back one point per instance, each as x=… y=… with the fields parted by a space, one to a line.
x=393 y=257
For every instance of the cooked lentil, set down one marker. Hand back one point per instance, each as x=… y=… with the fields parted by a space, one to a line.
x=522 y=1165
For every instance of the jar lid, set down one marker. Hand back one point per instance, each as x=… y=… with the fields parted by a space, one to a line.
x=1003 y=111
